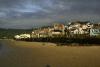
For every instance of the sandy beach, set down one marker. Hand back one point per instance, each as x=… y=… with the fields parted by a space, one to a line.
x=39 y=54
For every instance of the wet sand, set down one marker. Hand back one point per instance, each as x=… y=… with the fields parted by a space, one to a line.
x=35 y=54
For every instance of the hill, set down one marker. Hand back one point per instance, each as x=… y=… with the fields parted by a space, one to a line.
x=9 y=33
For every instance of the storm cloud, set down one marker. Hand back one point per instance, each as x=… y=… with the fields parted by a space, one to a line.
x=25 y=13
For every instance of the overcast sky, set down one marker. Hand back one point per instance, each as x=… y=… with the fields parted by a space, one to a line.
x=28 y=13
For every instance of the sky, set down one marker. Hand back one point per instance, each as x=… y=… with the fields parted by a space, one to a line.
x=32 y=13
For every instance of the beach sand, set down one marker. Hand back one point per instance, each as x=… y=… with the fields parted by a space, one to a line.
x=40 y=54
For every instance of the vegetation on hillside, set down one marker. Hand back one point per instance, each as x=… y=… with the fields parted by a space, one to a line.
x=10 y=33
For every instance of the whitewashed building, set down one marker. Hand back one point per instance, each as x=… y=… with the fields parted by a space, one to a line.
x=22 y=36
x=95 y=31
x=80 y=27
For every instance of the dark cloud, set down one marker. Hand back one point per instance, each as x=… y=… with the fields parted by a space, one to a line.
x=47 y=9
x=86 y=7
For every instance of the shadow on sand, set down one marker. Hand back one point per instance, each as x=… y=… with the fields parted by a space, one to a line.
x=68 y=41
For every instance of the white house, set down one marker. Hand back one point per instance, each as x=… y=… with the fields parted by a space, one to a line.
x=95 y=31
x=17 y=37
x=56 y=33
x=21 y=36
x=25 y=36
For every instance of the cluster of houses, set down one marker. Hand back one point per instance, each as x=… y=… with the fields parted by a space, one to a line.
x=59 y=30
